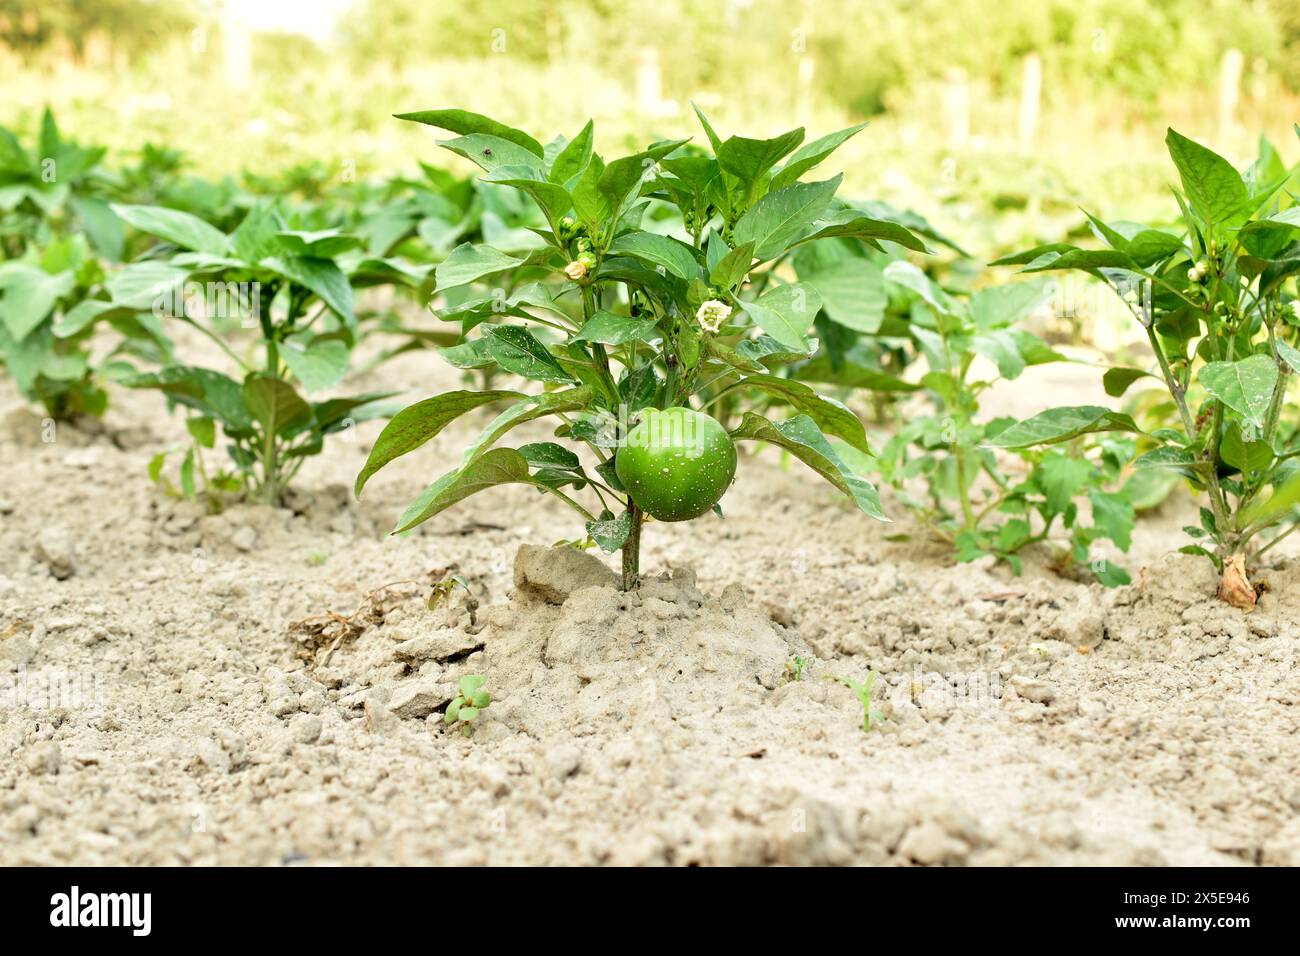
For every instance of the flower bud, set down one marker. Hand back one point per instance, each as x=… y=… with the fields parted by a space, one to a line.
x=576 y=270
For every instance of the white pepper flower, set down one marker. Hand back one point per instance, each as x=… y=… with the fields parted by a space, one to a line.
x=712 y=314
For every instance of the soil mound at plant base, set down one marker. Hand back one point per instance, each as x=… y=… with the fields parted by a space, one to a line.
x=572 y=655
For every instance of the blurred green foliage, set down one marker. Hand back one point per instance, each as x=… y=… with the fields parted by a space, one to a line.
x=132 y=26
x=1115 y=73
x=865 y=53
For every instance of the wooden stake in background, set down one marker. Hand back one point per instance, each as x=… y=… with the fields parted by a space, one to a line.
x=1031 y=94
x=1229 y=90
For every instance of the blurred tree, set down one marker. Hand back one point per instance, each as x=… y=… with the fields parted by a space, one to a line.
x=131 y=26
x=864 y=52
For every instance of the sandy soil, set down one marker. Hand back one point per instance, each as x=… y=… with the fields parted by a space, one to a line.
x=208 y=710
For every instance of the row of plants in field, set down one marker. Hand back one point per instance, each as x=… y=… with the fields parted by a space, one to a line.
x=662 y=308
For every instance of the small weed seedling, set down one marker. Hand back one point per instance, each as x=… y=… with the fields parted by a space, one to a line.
x=464 y=710
x=863 y=693
x=795 y=669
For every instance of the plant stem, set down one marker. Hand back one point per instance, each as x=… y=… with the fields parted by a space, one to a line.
x=632 y=548
x=1189 y=425
x=1277 y=539
x=222 y=345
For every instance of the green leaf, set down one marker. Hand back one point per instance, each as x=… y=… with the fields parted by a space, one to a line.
x=103 y=227
x=181 y=228
x=1061 y=477
x=1250 y=457
x=781 y=217
x=274 y=403
x=1284 y=498
x=1215 y=189
x=257 y=236
x=610 y=533
x=675 y=256
x=830 y=416
x=1246 y=386
x=852 y=293
x=1116 y=381
x=748 y=159
x=1002 y=348
x=575 y=156
x=323 y=278
x=1001 y=306
x=610 y=329
x=1149 y=487
x=337 y=413
x=904 y=273
x=810 y=155
x=496 y=467
x=470 y=684
x=1062 y=424
x=28 y=296
x=733 y=266
x=467 y=123
x=1168 y=457
x=204 y=430
x=1086 y=260
x=547 y=454
x=319 y=364
x=1112 y=514
x=1151 y=246
x=1289 y=354
x=801 y=437
x=533 y=407
x=416 y=424
x=551 y=197
x=714 y=139
x=786 y=313
x=322 y=244
x=453 y=711
x=83 y=314
x=1111 y=575
x=468 y=263
x=622 y=179
x=211 y=393
x=517 y=350
x=492 y=153
x=849 y=223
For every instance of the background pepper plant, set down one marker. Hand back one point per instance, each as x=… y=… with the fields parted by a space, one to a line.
x=973 y=501
x=292 y=290
x=1217 y=304
x=55 y=188
x=638 y=328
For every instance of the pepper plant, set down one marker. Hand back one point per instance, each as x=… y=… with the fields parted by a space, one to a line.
x=292 y=290
x=55 y=188
x=973 y=501
x=43 y=342
x=637 y=332
x=1216 y=301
